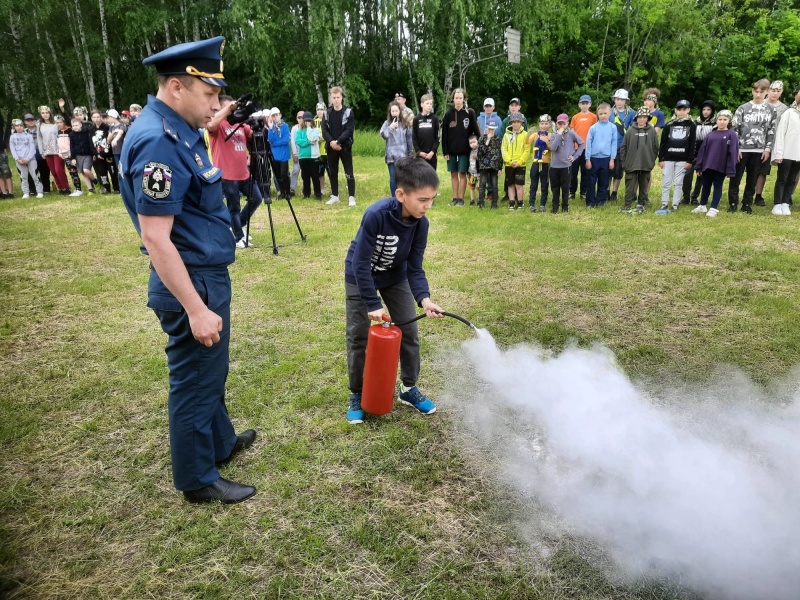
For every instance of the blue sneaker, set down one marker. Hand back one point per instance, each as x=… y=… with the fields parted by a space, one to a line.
x=355 y=415
x=415 y=398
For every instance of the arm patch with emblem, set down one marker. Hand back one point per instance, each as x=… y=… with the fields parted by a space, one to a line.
x=156 y=180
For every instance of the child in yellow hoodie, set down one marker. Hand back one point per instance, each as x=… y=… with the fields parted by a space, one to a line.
x=515 y=151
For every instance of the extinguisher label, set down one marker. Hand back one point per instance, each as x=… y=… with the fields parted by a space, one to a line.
x=385 y=251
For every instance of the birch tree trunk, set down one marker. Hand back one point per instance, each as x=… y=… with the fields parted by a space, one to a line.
x=64 y=89
x=42 y=61
x=20 y=61
x=89 y=76
x=106 y=52
x=77 y=47
x=166 y=27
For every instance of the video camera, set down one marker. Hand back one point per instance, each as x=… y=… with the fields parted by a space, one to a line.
x=246 y=106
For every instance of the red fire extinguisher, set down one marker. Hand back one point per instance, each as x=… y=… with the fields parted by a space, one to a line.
x=380 y=367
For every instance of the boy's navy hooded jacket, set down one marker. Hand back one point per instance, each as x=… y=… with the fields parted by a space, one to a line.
x=385 y=251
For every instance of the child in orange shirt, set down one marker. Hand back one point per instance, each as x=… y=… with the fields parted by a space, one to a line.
x=580 y=124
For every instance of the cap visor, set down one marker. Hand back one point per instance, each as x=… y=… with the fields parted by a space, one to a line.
x=214 y=81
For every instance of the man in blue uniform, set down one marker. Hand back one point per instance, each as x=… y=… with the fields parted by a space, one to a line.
x=174 y=197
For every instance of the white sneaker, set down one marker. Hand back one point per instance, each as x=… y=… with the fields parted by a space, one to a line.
x=777 y=209
x=333 y=200
x=786 y=210
x=351 y=201
x=25 y=196
x=76 y=193
x=240 y=244
x=700 y=209
x=712 y=212
x=40 y=195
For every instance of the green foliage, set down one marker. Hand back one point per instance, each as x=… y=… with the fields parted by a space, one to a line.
x=290 y=52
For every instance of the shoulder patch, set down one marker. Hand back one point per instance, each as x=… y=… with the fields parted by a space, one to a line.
x=156 y=180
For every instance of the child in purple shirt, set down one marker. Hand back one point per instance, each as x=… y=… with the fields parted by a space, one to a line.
x=715 y=161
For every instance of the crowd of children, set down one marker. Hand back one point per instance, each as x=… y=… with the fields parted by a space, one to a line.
x=590 y=153
x=66 y=147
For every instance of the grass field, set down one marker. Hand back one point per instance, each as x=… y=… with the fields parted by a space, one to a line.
x=390 y=509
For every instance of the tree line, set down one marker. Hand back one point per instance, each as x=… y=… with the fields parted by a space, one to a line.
x=289 y=52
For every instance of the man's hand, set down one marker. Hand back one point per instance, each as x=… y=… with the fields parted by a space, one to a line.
x=206 y=326
x=376 y=315
x=336 y=145
x=431 y=309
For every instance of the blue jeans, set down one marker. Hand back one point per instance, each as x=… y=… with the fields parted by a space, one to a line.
x=597 y=192
x=392 y=183
x=232 y=190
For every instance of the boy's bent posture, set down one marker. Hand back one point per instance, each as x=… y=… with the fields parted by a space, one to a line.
x=384 y=263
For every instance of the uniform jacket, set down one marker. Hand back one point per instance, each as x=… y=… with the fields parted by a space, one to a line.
x=165 y=170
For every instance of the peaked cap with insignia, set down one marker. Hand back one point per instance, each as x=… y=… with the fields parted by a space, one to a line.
x=201 y=59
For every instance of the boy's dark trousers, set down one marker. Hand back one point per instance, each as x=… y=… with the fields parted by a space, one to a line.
x=599 y=174
x=401 y=306
x=751 y=165
x=488 y=184
x=310 y=174
x=540 y=172
x=44 y=175
x=346 y=156
x=579 y=166
x=634 y=180
x=559 y=184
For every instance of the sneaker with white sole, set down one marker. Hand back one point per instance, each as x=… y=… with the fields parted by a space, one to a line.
x=777 y=209
x=351 y=201
x=712 y=212
x=241 y=244
x=786 y=211
x=700 y=208
x=417 y=399
x=40 y=195
x=76 y=193
x=333 y=200
x=355 y=414
x=25 y=196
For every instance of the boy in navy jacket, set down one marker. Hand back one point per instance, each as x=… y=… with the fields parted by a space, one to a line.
x=384 y=263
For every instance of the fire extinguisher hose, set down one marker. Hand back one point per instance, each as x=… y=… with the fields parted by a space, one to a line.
x=446 y=314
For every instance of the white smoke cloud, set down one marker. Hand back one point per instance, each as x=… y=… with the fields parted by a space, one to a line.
x=699 y=483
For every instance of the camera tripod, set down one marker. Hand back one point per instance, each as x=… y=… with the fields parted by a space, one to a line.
x=262 y=165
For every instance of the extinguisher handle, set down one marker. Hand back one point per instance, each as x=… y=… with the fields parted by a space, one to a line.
x=386 y=318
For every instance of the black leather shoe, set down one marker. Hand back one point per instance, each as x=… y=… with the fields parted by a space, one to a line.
x=222 y=490
x=243 y=440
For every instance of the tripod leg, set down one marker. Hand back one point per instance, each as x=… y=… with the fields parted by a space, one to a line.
x=296 y=222
x=272 y=229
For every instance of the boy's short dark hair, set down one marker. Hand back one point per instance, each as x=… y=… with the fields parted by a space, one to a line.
x=415 y=173
x=761 y=84
x=473 y=137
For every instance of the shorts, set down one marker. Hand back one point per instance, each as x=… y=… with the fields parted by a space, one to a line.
x=617 y=172
x=766 y=168
x=515 y=174
x=458 y=163
x=5 y=170
x=83 y=163
x=473 y=180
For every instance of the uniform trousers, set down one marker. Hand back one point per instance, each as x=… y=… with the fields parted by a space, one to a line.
x=200 y=431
